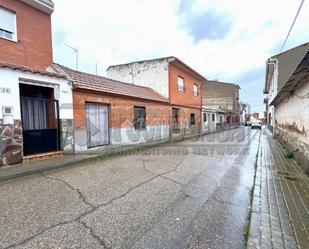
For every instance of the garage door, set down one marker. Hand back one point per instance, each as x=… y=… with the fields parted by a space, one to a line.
x=97 y=124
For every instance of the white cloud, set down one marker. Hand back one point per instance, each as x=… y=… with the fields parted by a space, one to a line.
x=110 y=32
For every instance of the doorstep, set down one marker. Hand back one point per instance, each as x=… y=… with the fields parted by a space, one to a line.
x=42 y=156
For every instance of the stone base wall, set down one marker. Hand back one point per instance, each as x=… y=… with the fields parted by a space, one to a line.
x=67 y=135
x=11 y=143
x=294 y=144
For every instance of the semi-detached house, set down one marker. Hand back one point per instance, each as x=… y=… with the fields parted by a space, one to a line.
x=174 y=80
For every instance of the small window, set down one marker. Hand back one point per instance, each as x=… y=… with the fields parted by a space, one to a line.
x=195 y=90
x=221 y=119
x=205 y=117
x=139 y=118
x=192 y=119
x=181 y=84
x=213 y=117
x=7 y=24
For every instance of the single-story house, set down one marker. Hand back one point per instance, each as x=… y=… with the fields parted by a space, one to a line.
x=110 y=113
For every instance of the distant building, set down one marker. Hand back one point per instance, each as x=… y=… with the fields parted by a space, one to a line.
x=223 y=96
x=287 y=89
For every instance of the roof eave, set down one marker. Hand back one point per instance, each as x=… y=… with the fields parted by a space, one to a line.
x=46 y=6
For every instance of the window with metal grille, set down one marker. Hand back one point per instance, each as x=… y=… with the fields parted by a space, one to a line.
x=205 y=117
x=139 y=117
x=192 y=119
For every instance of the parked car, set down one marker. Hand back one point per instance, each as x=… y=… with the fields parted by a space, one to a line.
x=247 y=123
x=256 y=125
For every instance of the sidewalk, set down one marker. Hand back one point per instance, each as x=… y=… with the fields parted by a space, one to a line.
x=279 y=214
x=22 y=169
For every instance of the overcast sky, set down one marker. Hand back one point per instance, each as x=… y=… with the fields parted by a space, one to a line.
x=222 y=39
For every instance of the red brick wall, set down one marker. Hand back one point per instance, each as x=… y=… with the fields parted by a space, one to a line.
x=121 y=110
x=34 y=46
x=187 y=97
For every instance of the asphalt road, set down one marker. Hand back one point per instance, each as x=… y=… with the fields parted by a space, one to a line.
x=191 y=194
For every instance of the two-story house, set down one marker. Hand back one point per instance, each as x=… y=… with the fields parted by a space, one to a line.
x=35 y=101
x=174 y=80
x=221 y=98
x=278 y=70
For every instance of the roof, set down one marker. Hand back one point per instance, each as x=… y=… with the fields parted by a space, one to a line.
x=301 y=72
x=47 y=6
x=209 y=109
x=223 y=83
x=30 y=70
x=287 y=62
x=92 y=82
x=169 y=59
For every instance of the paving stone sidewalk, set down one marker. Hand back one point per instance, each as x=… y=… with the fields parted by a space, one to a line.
x=279 y=214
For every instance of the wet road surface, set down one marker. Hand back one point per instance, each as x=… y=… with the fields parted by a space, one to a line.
x=190 y=194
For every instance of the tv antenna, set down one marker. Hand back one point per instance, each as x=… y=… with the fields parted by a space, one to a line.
x=75 y=50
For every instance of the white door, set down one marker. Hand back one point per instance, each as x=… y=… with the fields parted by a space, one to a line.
x=97 y=124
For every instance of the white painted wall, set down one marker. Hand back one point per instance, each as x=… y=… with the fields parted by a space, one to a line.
x=152 y=74
x=209 y=126
x=11 y=78
x=124 y=136
x=273 y=89
x=294 y=112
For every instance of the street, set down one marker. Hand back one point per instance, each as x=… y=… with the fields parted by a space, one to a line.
x=189 y=194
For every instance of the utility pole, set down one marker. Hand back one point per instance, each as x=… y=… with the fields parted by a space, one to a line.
x=96 y=68
x=75 y=50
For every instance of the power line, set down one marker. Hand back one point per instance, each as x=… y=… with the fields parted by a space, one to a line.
x=301 y=5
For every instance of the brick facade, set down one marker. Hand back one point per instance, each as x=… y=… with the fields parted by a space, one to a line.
x=34 y=46
x=121 y=109
x=185 y=98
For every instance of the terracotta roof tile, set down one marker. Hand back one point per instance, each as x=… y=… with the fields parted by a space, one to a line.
x=92 y=82
x=30 y=70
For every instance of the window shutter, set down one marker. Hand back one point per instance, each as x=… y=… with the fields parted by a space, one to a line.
x=7 y=20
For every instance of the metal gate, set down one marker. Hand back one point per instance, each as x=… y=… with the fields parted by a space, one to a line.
x=40 y=120
x=97 y=124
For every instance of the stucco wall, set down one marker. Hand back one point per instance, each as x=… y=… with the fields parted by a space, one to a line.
x=152 y=74
x=292 y=123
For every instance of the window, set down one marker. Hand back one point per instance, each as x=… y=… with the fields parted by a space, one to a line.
x=7 y=24
x=192 y=119
x=181 y=84
x=205 y=117
x=221 y=119
x=213 y=117
x=139 y=118
x=195 y=89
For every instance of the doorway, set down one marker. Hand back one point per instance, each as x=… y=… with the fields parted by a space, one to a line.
x=97 y=125
x=40 y=119
x=175 y=121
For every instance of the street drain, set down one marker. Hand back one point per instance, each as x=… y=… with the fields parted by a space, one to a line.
x=287 y=176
